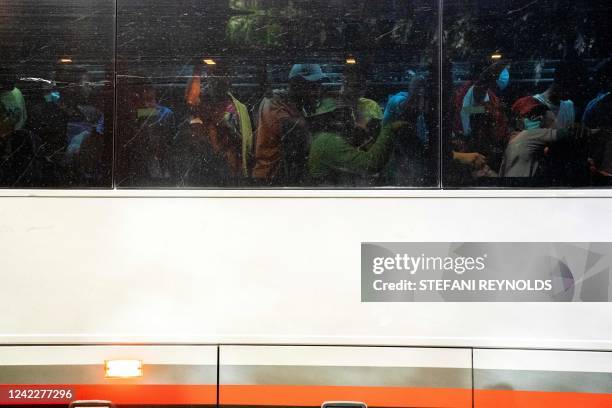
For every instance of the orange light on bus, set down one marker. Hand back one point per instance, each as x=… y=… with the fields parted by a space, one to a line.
x=66 y=60
x=351 y=61
x=496 y=56
x=122 y=368
x=210 y=62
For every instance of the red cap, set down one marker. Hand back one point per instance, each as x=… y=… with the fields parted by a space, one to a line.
x=525 y=105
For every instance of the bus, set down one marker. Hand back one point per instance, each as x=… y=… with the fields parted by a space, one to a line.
x=189 y=188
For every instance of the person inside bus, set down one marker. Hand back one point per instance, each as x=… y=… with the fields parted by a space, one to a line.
x=560 y=109
x=85 y=126
x=19 y=164
x=74 y=98
x=598 y=115
x=458 y=165
x=480 y=123
x=538 y=149
x=358 y=118
x=283 y=137
x=598 y=112
x=527 y=154
x=13 y=103
x=563 y=162
x=144 y=137
x=408 y=162
x=334 y=159
x=214 y=146
x=366 y=114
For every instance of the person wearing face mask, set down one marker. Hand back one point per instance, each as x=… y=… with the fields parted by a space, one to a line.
x=560 y=157
x=536 y=148
x=214 y=146
x=480 y=122
x=283 y=137
x=556 y=101
x=503 y=81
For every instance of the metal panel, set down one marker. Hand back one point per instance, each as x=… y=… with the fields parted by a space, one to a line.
x=376 y=376
x=526 y=378
x=171 y=374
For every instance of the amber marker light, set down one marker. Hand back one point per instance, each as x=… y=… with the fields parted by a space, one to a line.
x=210 y=62
x=351 y=61
x=122 y=368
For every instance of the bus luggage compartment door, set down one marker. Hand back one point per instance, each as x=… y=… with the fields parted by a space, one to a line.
x=316 y=376
x=542 y=378
x=117 y=375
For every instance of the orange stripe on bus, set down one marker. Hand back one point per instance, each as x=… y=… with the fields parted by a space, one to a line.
x=521 y=399
x=296 y=395
x=151 y=394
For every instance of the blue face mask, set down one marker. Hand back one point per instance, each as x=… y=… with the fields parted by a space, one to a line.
x=532 y=124
x=52 y=97
x=504 y=79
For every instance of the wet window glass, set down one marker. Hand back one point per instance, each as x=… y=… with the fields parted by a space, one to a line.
x=527 y=93
x=277 y=93
x=56 y=93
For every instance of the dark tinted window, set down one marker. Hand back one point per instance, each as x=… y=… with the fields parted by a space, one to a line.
x=277 y=93
x=56 y=93
x=527 y=93
x=296 y=93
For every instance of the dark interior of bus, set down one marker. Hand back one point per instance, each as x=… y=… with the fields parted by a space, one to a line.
x=211 y=94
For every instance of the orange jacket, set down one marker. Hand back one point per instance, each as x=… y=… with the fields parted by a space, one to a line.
x=273 y=112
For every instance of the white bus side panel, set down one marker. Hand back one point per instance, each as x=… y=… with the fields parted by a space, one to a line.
x=270 y=270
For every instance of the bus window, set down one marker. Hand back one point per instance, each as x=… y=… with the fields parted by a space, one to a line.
x=277 y=93
x=526 y=93
x=56 y=93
